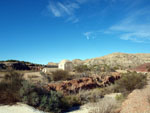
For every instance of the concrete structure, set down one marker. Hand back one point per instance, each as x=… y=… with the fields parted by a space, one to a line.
x=66 y=65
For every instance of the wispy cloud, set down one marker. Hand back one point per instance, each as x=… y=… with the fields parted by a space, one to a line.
x=54 y=9
x=68 y=8
x=92 y=34
x=88 y=35
x=140 y=37
x=65 y=9
x=135 y=26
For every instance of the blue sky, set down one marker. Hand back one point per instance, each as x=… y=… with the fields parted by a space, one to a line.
x=43 y=31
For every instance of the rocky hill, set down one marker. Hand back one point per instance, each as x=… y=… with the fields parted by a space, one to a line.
x=19 y=65
x=120 y=59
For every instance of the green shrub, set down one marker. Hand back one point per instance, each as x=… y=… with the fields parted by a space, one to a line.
x=73 y=100
x=15 y=89
x=130 y=81
x=49 y=101
x=60 y=75
x=29 y=94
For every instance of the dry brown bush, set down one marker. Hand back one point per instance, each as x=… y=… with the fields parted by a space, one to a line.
x=60 y=75
x=106 y=105
x=9 y=88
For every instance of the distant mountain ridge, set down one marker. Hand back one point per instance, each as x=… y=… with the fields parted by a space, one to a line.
x=115 y=59
x=121 y=59
x=19 y=65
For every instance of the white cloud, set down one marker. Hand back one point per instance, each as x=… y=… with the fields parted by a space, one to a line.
x=73 y=19
x=91 y=34
x=64 y=9
x=55 y=10
x=135 y=27
x=87 y=35
x=140 y=37
x=68 y=8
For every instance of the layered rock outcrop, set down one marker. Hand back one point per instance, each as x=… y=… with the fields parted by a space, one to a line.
x=75 y=85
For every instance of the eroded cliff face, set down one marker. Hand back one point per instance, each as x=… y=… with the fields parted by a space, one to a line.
x=85 y=83
x=120 y=59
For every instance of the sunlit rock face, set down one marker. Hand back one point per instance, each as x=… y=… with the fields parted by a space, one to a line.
x=120 y=59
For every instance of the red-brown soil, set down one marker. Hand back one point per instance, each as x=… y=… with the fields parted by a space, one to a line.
x=143 y=68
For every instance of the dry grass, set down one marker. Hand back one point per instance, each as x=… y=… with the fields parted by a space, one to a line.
x=59 y=75
x=93 y=95
x=9 y=88
x=106 y=105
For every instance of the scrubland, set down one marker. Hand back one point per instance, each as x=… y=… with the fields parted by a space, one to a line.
x=15 y=88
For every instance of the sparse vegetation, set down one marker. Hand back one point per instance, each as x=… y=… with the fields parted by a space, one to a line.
x=14 y=89
x=60 y=75
x=130 y=81
x=73 y=100
x=47 y=101
x=106 y=105
x=81 y=68
x=87 y=96
x=9 y=88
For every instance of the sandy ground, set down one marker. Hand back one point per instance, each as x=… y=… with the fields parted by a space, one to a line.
x=137 y=101
x=20 y=108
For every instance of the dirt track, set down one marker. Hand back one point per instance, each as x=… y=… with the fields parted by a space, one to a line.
x=137 y=101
